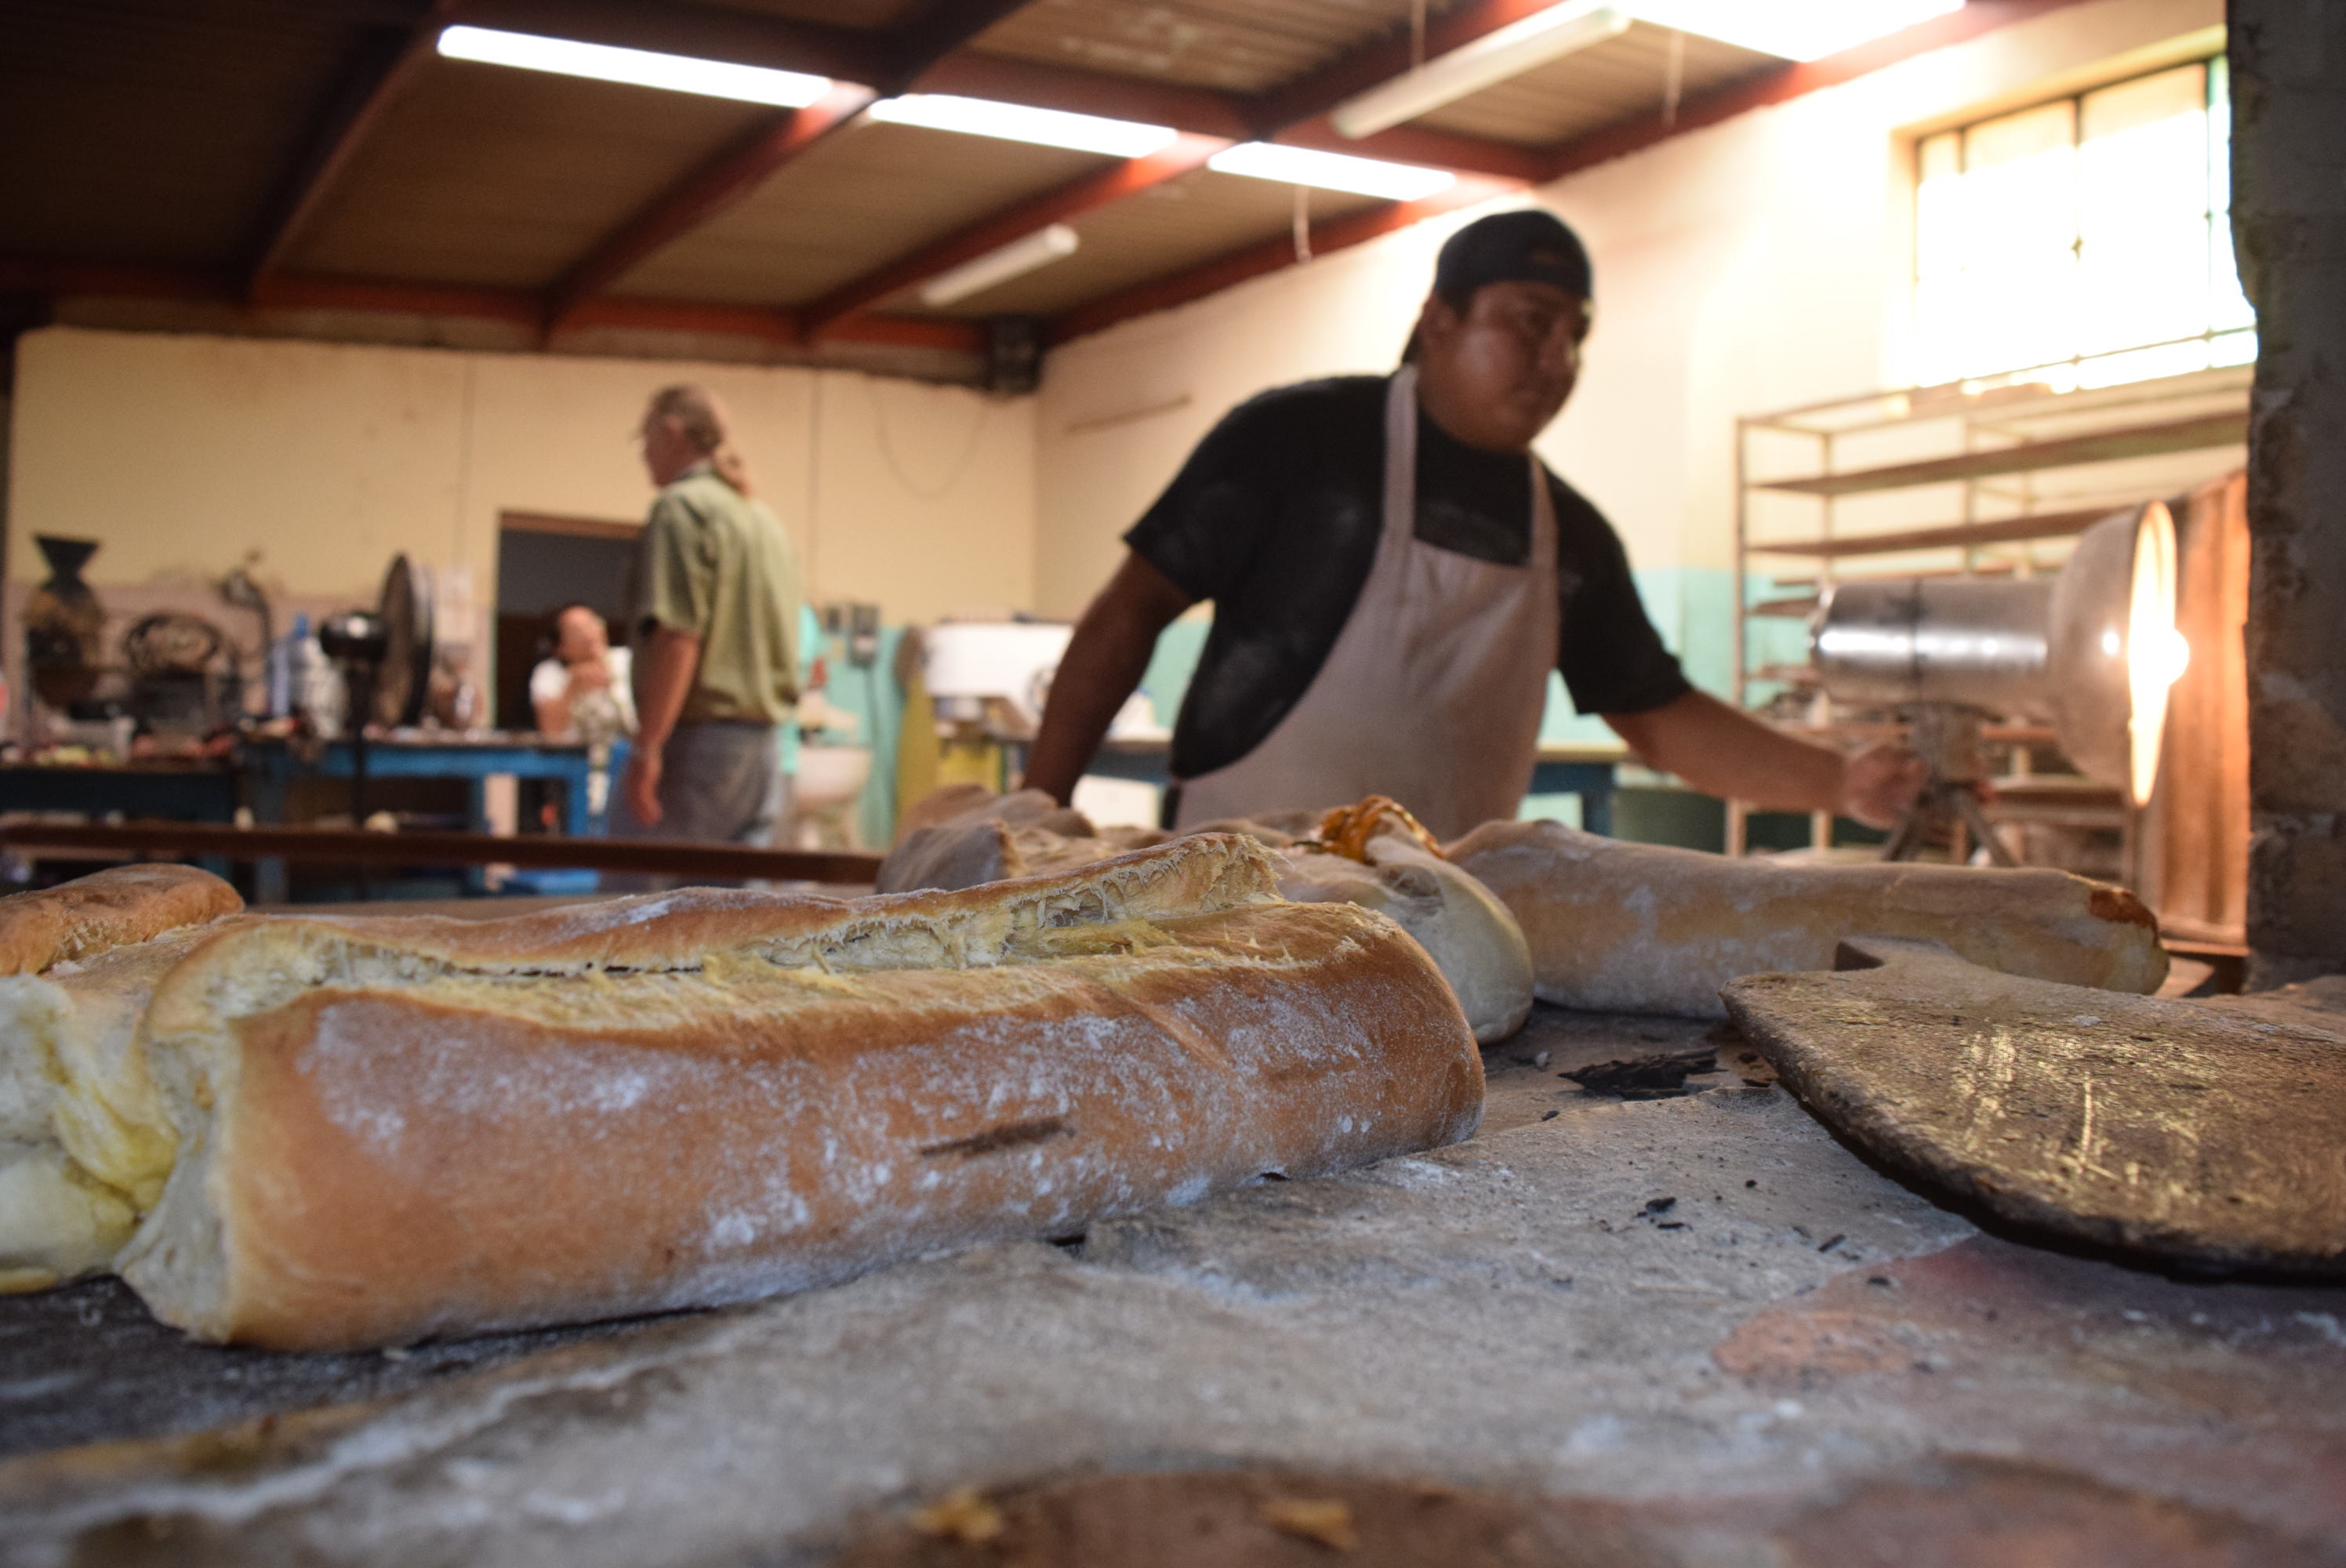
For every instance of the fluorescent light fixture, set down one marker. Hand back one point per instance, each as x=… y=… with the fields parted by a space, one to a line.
x=1331 y=170
x=635 y=67
x=1015 y=259
x=1544 y=35
x=1016 y=122
x=1794 y=29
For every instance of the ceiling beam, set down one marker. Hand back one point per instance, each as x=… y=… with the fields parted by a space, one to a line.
x=1269 y=256
x=1203 y=113
x=56 y=279
x=1047 y=86
x=1352 y=74
x=942 y=27
x=384 y=65
x=1126 y=177
x=708 y=191
x=736 y=171
x=1287 y=113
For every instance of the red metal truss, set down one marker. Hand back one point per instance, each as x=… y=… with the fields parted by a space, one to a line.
x=1776 y=86
x=1269 y=256
x=1263 y=118
x=1203 y=113
x=1113 y=184
x=379 y=76
x=518 y=306
x=740 y=169
x=709 y=190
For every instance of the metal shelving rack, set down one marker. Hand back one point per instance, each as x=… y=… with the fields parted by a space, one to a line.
x=2025 y=465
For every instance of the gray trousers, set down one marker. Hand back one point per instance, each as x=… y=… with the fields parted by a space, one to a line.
x=718 y=783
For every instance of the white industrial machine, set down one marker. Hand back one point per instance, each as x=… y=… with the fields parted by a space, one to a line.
x=967 y=663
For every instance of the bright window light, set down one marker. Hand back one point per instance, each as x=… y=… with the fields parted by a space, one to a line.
x=1794 y=29
x=637 y=67
x=1016 y=122
x=1331 y=170
x=2085 y=240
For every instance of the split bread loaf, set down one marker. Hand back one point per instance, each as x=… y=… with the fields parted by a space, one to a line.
x=1644 y=928
x=396 y=1128
x=84 y=1146
x=964 y=835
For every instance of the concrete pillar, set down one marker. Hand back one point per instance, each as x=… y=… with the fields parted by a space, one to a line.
x=2289 y=224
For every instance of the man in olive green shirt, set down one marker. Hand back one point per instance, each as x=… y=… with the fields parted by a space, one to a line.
x=717 y=614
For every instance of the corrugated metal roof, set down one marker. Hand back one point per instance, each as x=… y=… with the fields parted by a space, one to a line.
x=857 y=202
x=483 y=175
x=159 y=132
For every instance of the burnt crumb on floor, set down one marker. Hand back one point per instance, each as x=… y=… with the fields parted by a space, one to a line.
x=1563 y=1059
x=1645 y=1077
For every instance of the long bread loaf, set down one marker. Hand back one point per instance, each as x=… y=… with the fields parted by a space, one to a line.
x=1644 y=928
x=106 y=910
x=391 y=1129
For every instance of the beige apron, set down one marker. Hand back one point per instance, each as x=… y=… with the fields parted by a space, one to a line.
x=1433 y=691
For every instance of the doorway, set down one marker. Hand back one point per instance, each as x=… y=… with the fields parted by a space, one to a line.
x=544 y=562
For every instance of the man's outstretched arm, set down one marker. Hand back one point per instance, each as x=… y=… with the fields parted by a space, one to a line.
x=1723 y=751
x=1104 y=662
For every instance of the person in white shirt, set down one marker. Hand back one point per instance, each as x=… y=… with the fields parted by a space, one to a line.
x=582 y=692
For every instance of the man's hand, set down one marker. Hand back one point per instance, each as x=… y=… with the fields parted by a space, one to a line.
x=640 y=789
x=1880 y=782
x=1728 y=753
x=665 y=670
x=590 y=675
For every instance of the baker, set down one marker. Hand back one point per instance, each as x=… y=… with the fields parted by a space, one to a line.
x=1394 y=573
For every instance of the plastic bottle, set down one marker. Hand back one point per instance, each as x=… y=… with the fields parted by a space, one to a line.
x=277 y=678
x=316 y=685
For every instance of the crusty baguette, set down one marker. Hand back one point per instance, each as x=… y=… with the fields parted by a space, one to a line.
x=394 y=1129
x=1644 y=928
x=106 y=910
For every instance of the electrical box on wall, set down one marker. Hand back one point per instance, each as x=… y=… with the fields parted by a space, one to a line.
x=1013 y=355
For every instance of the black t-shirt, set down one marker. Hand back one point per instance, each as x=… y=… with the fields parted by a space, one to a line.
x=1276 y=518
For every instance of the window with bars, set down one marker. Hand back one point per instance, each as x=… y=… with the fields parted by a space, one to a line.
x=2088 y=238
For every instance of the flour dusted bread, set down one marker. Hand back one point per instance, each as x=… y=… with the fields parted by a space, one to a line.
x=1467 y=931
x=390 y=1129
x=965 y=835
x=1643 y=928
x=83 y=1144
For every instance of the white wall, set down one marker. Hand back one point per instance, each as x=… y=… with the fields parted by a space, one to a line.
x=1753 y=265
x=180 y=454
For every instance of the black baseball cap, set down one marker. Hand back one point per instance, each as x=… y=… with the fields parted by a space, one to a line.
x=1532 y=246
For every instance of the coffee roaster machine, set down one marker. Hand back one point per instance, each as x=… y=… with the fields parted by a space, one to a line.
x=2092 y=651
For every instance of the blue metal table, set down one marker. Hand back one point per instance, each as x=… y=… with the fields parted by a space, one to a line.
x=272 y=766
